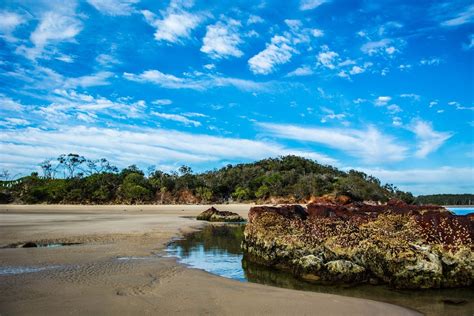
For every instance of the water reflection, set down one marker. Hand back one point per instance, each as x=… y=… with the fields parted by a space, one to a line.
x=216 y=249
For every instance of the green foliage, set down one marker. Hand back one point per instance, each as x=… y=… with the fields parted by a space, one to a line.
x=241 y=194
x=98 y=182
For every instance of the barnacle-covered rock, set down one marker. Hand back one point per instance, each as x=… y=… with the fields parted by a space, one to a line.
x=402 y=245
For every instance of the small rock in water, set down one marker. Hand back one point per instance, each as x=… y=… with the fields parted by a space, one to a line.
x=454 y=301
x=29 y=244
x=214 y=215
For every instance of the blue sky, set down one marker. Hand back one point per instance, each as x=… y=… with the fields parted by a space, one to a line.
x=382 y=86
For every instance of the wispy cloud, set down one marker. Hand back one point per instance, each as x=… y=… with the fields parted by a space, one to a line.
x=382 y=100
x=369 y=145
x=277 y=52
x=327 y=58
x=222 y=39
x=9 y=21
x=429 y=140
x=8 y=104
x=28 y=146
x=202 y=82
x=301 y=71
x=114 y=7
x=311 y=4
x=459 y=106
x=175 y=25
x=384 y=46
x=466 y=15
x=58 y=25
x=177 y=118
x=427 y=181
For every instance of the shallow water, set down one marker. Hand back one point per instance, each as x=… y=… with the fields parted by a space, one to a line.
x=216 y=249
x=461 y=210
x=21 y=270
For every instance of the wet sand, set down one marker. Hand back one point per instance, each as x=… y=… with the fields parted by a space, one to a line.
x=120 y=268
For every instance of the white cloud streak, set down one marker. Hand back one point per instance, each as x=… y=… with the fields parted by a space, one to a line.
x=114 y=7
x=429 y=140
x=25 y=148
x=201 y=83
x=370 y=145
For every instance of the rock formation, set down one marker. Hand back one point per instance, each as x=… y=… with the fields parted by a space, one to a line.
x=214 y=215
x=402 y=245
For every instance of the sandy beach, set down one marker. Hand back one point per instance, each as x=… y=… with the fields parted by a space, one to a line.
x=120 y=268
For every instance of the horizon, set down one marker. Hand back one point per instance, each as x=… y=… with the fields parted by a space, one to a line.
x=384 y=89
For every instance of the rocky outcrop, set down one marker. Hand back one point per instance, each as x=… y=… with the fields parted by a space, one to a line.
x=214 y=215
x=402 y=245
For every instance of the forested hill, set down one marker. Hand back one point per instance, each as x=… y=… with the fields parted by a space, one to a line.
x=75 y=179
x=446 y=199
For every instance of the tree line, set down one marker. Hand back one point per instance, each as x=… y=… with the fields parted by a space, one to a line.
x=446 y=199
x=72 y=178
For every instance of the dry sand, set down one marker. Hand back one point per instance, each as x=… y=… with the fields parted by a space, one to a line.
x=91 y=279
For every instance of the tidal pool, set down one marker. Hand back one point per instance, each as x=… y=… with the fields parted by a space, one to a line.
x=461 y=210
x=216 y=249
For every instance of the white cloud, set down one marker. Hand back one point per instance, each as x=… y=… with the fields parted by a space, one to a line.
x=383 y=46
x=327 y=57
x=369 y=145
x=311 y=4
x=277 y=52
x=54 y=26
x=433 y=61
x=459 y=106
x=162 y=102
x=67 y=104
x=114 y=7
x=210 y=66
x=8 y=104
x=177 y=118
x=202 y=82
x=222 y=39
x=382 y=100
x=331 y=115
x=97 y=79
x=393 y=108
x=462 y=17
x=442 y=179
x=254 y=19
x=107 y=60
x=429 y=140
x=375 y=46
x=356 y=70
x=175 y=25
x=317 y=32
x=301 y=71
x=413 y=96
x=397 y=121
x=9 y=21
x=28 y=146
x=14 y=122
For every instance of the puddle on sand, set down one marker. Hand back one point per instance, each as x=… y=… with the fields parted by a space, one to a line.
x=21 y=270
x=32 y=244
x=216 y=249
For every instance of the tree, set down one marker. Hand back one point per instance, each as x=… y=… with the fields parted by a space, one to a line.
x=134 y=188
x=99 y=166
x=70 y=163
x=241 y=194
x=47 y=167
